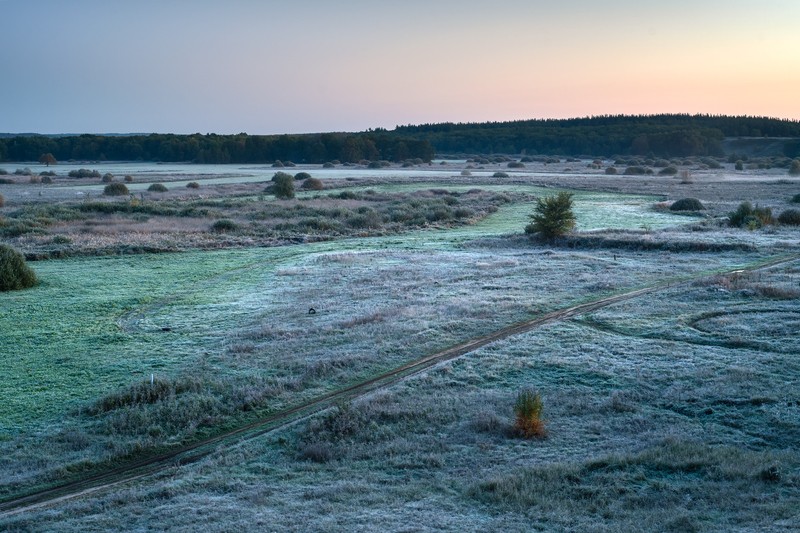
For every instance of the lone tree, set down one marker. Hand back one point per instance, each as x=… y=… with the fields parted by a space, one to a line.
x=47 y=159
x=282 y=185
x=15 y=274
x=553 y=216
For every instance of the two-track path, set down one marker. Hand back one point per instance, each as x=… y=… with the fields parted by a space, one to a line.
x=151 y=465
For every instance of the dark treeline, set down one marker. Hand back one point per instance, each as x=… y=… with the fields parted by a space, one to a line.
x=211 y=148
x=660 y=135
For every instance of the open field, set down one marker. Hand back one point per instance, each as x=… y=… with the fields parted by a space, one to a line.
x=678 y=410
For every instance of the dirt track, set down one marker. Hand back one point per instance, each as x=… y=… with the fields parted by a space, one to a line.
x=187 y=454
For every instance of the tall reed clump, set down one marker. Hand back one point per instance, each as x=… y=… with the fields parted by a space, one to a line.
x=528 y=410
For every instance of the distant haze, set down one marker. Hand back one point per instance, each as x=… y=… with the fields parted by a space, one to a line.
x=313 y=65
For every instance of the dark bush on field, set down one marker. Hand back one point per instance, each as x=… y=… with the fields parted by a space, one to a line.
x=739 y=165
x=2 y=200
x=47 y=180
x=23 y=172
x=115 y=189
x=289 y=164
x=7 y=181
x=668 y=171
x=47 y=173
x=516 y=164
x=108 y=177
x=500 y=175
x=83 y=173
x=192 y=185
x=328 y=164
x=282 y=185
x=796 y=199
x=687 y=204
x=747 y=216
x=346 y=195
x=790 y=217
x=3 y=172
x=637 y=171
x=15 y=274
x=224 y=225
x=611 y=171
x=300 y=176
x=128 y=179
x=374 y=164
x=794 y=168
x=278 y=164
x=313 y=184
x=157 y=187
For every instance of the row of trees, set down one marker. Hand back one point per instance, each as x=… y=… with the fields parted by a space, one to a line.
x=211 y=148
x=660 y=135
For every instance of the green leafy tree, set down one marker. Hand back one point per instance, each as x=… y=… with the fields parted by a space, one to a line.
x=282 y=185
x=553 y=216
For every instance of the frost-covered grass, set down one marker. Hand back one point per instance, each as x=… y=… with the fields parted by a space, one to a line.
x=650 y=428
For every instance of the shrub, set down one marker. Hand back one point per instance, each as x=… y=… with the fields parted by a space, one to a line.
x=499 y=175
x=553 y=216
x=15 y=274
x=6 y=181
x=796 y=199
x=611 y=171
x=115 y=189
x=2 y=200
x=283 y=185
x=108 y=177
x=47 y=179
x=128 y=179
x=466 y=172
x=528 y=410
x=328 y=164
x=516 y=164
x=374 y=164
x=794 y=168
x=668 y=171
x=790 y=217
x=300 y=176
x=635 y=171
x=157 y=187
x=3 y=172
x=83 y=173
x=23 y=172
x=687 y=204
x=192 y=185
x=750 y=217
x=224 y=224
x=313 y=184
x=739 y=165
x=278 y=164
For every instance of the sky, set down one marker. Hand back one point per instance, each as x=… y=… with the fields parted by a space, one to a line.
x=297 y=66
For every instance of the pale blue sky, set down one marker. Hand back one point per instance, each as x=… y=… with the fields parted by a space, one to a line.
x=312 y=65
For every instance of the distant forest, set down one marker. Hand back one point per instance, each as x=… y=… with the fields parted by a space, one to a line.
x=212 y=148
x=657 y=135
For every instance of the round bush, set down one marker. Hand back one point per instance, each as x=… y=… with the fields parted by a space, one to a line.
x=668 y=171
x=192 y=185
x=687 y=204
x=611 y=171
x=108 y=177
x=115 y=189
x=796 y=199
x=790 y=217
x=794 y=168
x=128 y=179
x=500 y=175
x=328 y=165
x=15 y=274
x=516 y=164
x=47 y=179
x=302 y=176
x=313 y=184
x=157 y=187
x=223 y=225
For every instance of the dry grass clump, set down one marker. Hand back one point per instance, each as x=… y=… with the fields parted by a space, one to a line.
x=528 y=410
